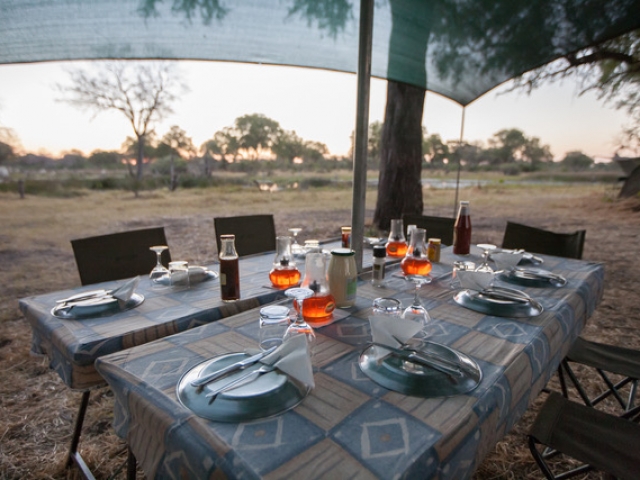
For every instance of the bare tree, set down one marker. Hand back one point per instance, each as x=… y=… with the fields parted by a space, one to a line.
x=142 y=91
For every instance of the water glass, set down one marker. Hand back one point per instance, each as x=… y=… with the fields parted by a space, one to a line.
x=274 y=320
x=386 y=306
x=460 y=266
x=179 y=274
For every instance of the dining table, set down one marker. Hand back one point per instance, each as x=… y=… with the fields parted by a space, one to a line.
x=350 y=425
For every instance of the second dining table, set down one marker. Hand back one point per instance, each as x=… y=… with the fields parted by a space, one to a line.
x=349 y=426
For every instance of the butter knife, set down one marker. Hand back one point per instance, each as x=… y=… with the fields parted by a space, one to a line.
x=242 y=364
x=415 y=357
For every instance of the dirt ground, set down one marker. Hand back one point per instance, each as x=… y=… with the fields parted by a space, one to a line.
x=38 y=410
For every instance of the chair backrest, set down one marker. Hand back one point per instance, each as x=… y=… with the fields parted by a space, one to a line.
x=437 y=227
x=537 y=240
x=118 y=255
x=254 y=233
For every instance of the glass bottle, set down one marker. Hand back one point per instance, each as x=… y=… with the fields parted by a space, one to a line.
x=346 y=237
x=317 y=310
x=284 y=273
x=396 y=244
x=416 y=261
x=343 y=277
x=462 y=230
x=229 y=271
x=377 y=272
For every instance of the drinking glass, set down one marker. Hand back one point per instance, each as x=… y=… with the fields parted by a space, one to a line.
x=416 y=311
x=296 y=248
x=487 y=248
x=386 y=306
x=274 y=320
x=179 y=272
x=159 y=271
x=299 y=326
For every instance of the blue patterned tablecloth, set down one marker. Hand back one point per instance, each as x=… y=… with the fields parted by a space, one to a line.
x=73 y=345
x=348 y=426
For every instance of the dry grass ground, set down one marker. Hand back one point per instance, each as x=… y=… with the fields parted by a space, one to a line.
x=37 y=409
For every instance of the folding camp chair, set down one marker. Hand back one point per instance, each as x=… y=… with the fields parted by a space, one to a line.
x=254 y=233
x=597 y=439
x=104 y=258
x=606 y=359
x=437 y=227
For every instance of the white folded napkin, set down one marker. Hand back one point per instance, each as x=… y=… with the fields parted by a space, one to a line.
x=124 y=292
x=506 y=260
x=292 y=358
x=385 y=328
x=475 y=280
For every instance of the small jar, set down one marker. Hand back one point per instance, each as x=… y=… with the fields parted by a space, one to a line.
x=433 y=249
x=377 y=272
x=346 y=237
x=343 y=277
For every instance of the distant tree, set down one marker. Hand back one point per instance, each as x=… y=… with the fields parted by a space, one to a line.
x=105 y=159
x=6 y=152
x=143 y=92
x=288 y=146
x=9 y=144
x=175 y=143
x=225 y=142
x=436 y=152
x=513 y=146
x=256 y=132
x=131 y=149
x=314 y=151
x=576 y=161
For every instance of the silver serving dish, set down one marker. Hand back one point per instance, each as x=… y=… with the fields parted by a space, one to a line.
x=521 y=305
x=270 y=394
x=409 y=378
x=95 y=307
x=533 y=277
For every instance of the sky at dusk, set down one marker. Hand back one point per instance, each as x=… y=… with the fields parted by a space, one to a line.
x=318 y=105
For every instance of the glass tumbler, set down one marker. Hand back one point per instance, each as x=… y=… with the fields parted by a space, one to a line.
x=274 y=320
x=386 y=306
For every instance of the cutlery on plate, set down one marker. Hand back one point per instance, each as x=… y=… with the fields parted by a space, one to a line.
x=539 y=275
x=85 y=296
x=414 y=356
x=506 y=295
x=248 y=377
x=241 y=365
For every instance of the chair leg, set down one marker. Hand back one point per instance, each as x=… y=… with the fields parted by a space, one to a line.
x=74 y=456
x=576 y=384
x=132 y=464
x=544 y=468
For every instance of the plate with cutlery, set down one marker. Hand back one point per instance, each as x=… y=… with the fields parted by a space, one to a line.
x=94 y=304
x=237 y=387
x=533 y=277
x=424 y=369
x=499 y=301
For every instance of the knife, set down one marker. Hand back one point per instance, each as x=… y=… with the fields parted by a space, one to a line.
x=506 y=296
x=415 y=357
x=85 y=296
x=242 y=364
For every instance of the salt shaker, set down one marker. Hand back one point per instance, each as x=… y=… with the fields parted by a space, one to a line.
x=377 y=273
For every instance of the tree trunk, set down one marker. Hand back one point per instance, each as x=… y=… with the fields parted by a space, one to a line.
x=399 y=182
x=140 y=158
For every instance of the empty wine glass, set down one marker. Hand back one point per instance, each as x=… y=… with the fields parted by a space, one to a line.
x=299 y=326
x=159 y=272
x=416 y=311
x=487 y=248
x=296 y=248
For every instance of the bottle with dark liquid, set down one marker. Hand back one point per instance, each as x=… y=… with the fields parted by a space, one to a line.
x=462 y=231
x=229 y=269
x=284 y=273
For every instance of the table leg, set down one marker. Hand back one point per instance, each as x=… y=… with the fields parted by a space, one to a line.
x=74 y=455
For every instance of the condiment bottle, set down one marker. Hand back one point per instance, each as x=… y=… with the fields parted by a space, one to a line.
x=462 y=231
x=396 y=244
x=346 y=237
x=284 y=273
x=229 y=271
x=319 y=308
x=377 y=272
x=433 y=249
x=343 y=276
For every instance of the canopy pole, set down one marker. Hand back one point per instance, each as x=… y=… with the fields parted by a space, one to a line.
x=455 y=202
x=362 y=130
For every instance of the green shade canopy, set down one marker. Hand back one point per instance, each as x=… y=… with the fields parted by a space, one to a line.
x=457 y=48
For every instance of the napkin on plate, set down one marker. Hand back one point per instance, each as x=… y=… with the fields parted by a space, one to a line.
x=506 y=260
x=292 y=358
x=475 y=280
x=124 y=292
x=384 y=328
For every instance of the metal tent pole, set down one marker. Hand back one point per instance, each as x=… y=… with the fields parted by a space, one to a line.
x=455 y=202
x=362 y=130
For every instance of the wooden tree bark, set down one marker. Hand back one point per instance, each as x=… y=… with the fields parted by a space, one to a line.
x=400 y=187
x=631 y=185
